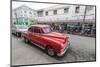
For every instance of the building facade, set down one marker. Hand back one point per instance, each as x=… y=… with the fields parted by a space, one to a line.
x=73 y=18
x=23 y=15
x=67 y=14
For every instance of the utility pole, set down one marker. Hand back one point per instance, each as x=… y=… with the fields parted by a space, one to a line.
x=84 y=18
x=84 y=14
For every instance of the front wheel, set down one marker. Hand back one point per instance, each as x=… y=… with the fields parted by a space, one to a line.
x=50 y=51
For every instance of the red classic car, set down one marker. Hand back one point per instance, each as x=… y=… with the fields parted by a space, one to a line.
x=53 y=43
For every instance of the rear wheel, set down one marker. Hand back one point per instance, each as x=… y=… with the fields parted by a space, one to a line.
x=26 y=40
x=18 y=34
x=50 y=51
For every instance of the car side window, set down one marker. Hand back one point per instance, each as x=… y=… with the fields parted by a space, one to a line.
x=36 y=30
x=30 y=29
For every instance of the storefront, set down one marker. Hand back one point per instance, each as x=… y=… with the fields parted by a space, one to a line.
x=24 y=22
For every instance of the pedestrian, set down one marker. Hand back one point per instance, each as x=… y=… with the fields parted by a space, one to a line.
x=60 y=28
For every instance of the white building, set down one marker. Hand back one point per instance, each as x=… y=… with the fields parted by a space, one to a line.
x=23 y=15
x=66 y=14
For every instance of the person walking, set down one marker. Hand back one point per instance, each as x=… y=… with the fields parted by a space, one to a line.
x=60 y=28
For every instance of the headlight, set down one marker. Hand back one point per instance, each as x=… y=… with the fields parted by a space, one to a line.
x=62 y=45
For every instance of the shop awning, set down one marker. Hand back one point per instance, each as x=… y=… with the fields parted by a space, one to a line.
x=21 y=21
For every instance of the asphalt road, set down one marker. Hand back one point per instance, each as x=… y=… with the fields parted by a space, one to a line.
x=82 y=49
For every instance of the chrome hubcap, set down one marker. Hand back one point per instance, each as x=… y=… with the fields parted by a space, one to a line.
x=50 y=52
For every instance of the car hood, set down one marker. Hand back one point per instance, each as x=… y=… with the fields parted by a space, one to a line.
x=57 y=37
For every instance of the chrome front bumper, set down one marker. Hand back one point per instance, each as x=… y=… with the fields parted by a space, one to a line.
x=63 y=51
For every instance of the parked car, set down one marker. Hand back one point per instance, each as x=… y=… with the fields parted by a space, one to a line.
x=18 y=29
x=52 y=42
x=74 y=29
x=94 y=30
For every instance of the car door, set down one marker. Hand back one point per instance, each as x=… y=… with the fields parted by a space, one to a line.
x=36 y=37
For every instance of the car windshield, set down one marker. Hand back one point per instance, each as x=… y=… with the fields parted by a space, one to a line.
x=47 y=30
x=22 y=27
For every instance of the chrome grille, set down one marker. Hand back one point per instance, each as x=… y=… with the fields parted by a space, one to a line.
x=65 y=46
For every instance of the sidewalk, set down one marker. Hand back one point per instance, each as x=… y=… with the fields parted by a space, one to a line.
x=80 y=34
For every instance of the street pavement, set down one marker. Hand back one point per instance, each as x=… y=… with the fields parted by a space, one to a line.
x=81 y=49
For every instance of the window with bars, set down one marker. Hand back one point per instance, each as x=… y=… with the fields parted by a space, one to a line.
x=55 y=12
x=46 y=13
x=24 y=11
x=77 y=9
x=66 y=10
x=89 y=8
x=40 y=13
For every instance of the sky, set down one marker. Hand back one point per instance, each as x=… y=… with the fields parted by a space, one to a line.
x=32 y=5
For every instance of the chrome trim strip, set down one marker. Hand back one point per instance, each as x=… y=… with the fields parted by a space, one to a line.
x=37 y=45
